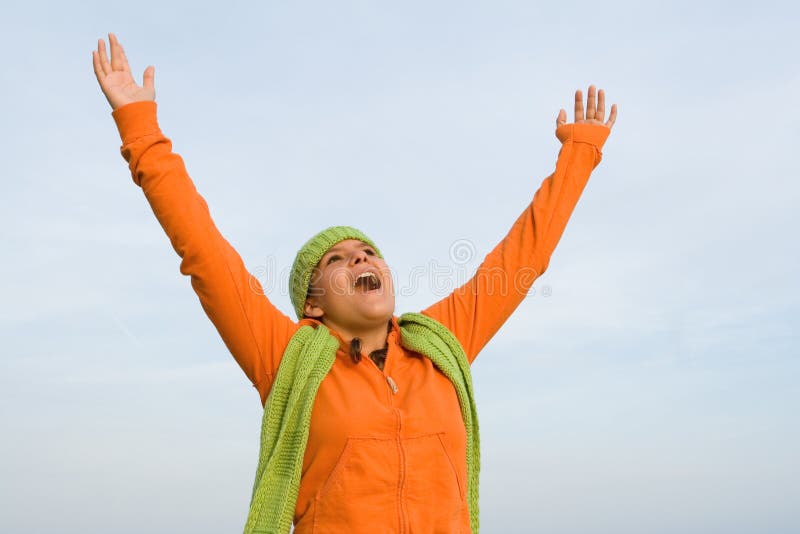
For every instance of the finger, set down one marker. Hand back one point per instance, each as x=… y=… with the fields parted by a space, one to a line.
x=98 y=68
x=101 y=51
x=562 y=118
x=124 y=60
x=591 y=103
x=601 y=106
x=125 y=66
x=118 y=60
x=149 y=78
x=113 y=52
x=612 y=117
x=578 y=106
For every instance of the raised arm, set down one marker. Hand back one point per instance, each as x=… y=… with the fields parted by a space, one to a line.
x=475 y=311
x=253 y=329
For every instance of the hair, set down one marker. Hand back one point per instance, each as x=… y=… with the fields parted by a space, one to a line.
x=378 y=355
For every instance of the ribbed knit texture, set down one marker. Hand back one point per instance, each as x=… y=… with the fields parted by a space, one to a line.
x=287 y=415
x=284 y=429
x=309 y=255
x=429 y=337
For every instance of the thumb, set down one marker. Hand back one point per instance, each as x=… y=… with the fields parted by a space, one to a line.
x=562 y=118
x=149 y=77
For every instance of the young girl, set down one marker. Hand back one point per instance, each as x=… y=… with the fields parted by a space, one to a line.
x=369 y=422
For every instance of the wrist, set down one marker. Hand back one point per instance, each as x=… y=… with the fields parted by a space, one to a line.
x=593 y=134
x=136 y=119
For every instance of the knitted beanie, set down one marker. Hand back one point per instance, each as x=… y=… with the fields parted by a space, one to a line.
x=309 y=256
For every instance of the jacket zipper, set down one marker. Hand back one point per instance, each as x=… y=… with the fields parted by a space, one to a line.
x=391 y=383
x=401 y=511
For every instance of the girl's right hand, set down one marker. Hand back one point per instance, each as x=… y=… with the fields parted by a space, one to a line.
x=115 y=78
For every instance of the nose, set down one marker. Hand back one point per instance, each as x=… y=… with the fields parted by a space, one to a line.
x=358 y=256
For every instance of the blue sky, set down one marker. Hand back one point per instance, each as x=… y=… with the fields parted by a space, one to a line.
x=647 y=384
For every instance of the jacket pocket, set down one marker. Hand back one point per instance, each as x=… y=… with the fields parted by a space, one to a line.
x=360 y=494
x=434 y=487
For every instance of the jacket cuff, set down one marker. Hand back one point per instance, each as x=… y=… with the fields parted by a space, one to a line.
x=136 y=120
x=594 y=134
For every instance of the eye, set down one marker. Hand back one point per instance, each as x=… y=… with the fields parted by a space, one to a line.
x=332 y=259
x=370 y=251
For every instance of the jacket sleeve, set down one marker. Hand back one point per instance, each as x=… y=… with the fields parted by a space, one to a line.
x=475 y=311
x=252 y=328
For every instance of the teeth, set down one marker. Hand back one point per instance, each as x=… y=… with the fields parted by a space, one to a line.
x=365 y=276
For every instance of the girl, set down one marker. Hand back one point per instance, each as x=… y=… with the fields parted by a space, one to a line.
x=369 y=419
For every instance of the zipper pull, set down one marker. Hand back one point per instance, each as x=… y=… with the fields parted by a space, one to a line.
x=391 y=384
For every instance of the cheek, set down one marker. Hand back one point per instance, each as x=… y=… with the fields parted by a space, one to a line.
x=338 y=281
x=387 y=278
x=385 y=270
x=390 y=289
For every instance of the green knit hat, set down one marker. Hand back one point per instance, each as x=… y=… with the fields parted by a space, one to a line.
x=309 y=256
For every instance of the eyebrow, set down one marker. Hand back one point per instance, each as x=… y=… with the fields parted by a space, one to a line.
x=338 y=248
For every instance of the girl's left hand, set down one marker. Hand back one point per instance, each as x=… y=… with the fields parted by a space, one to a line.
x=115 y=78
x=595 y=109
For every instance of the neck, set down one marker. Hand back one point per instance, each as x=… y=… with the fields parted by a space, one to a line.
x=372 y=338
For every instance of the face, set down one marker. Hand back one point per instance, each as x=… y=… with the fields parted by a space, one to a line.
x=351 y=287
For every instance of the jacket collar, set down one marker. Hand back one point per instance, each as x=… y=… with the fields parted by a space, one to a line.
x=393 y=330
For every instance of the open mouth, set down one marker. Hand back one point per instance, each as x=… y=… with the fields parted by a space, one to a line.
x=367 y=282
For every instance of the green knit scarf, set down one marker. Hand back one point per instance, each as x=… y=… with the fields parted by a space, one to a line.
x=287 y=415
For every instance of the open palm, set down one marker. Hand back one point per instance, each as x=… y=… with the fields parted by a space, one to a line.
x=115 y=78
x=595 y=109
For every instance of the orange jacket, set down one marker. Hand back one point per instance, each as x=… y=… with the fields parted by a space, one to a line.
x=386 y=449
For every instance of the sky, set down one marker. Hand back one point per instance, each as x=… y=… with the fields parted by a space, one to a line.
x=646 y=384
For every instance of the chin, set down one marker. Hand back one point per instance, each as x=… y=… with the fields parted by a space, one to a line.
x=382 y=313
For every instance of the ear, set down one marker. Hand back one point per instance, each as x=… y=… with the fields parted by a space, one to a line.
x=312 y=310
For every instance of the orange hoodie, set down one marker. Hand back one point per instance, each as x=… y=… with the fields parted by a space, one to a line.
x=386 y=450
